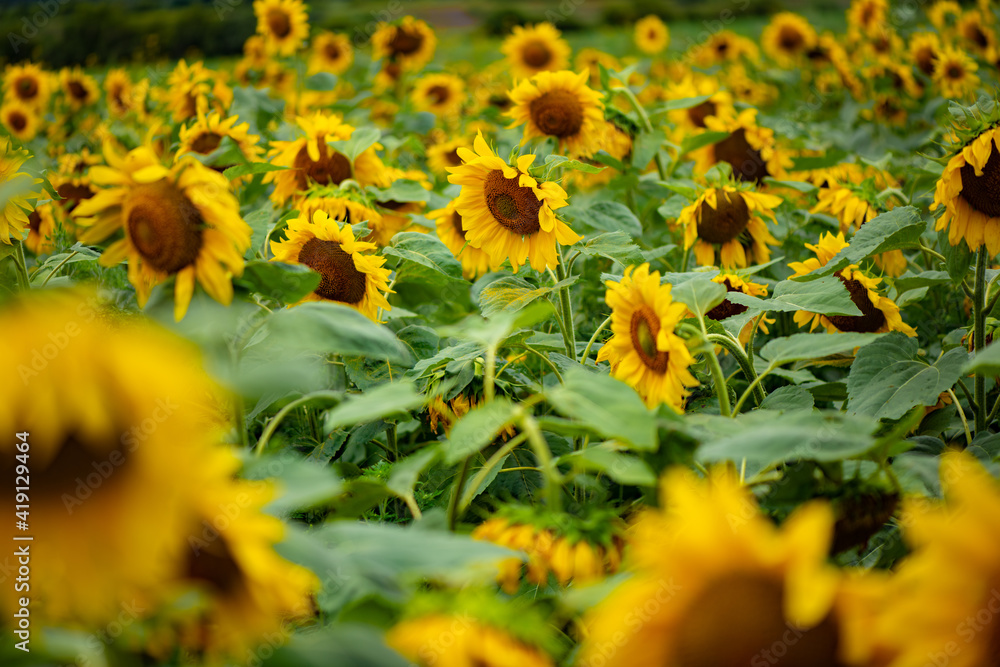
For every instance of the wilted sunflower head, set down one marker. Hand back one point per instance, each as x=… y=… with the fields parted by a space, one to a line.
x=283 y=24
x=533 y=49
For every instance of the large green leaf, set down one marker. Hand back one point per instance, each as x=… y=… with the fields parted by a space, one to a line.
x=799 y=347
x=380 y=402
x=340 y=644
x=827 y=296
x=617 y=246
x=985 y=362
x=511 y=294
x=887 y=377
x=699 y=294
x=428 y=259
x=333 y=328
x=283 y=282
x=361 y=140
x=607 y=406
x=478 y=428
x=608 y=459
x=608 y=216
x=899 y=228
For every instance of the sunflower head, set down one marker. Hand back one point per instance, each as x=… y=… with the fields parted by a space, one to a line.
x=331 y=52
x=408 y=44
x=559 y=105
x=787 y=38
x=14 y=216
x=79 y=89
x=955 y=74
x=441 y=94
x=28 y=84
x=731 y=219
x=20 y=120
x=749 y=149
x=283 y=24
x=651 y=35
x=205 y=135
x=533 y=49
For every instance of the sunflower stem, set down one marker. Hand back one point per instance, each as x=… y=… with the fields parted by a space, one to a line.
x=740 y=356
x=566 y=307
x=553 y=480
x=456 y=493
x=749 y=390
x=961 y=414
x=484 y=472
x=646 y=125
x=718 y=378
x=489 y=373
x=58 y=266
x=272 y=425
x=979 y=340
x=21 y=266
x=593 y=339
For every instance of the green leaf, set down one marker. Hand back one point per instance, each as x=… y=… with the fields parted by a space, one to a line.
x=283 y=282
x=808 y=163
x=361 y=140
x=478 y=428
x=959 y=257
x=403 y=190
x=887 y=378
x=608 y=216
x=563 y=162
x=510 y=294
x=899 y=228
x=699 y=294
x=302 y=484
x=439 y=266
x=610 y=460
x=985 y=362
x=617 y=246
x=794 y=185
x=607 y=406
x=645 y=147
x=378 y=403
x=332 y=328
x=693 y=143
x=352 y=644
x=791 y=397
x=403 y=477
x=250 y=168
x=322 y=81
x=678 y=104
x=827 y=296
x=910 y=281
x=803 y=346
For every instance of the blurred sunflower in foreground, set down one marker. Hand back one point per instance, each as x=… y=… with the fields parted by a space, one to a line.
x=644 y=352
x=22 y=192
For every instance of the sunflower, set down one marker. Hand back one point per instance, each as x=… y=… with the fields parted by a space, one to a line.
x=787 y=38
x=255 y=54
x=445 y=413
x=180 y=221
x=533 y=49
x=735 y=283
x=589 y=58
x=651 y=35
x=443 y=155
x=559 y=105
x=475 y=262
x=573 y=549
x=28 y=84
x=283 y=24
x=117 y=415
x=955 y=74
x=206 y=134
x=867 y=17
x=718 y=584
x=724 y=46
x=734 y=221
x=441 y=94
x=331 y=52
x=348 y=275
x=942 y=598
x=121 y=95
x=965 y=190
x=878 y=313
x=41 y=230
x=313 y=161
x=195 y=89
x=508 y=213
x=612 y=140
x=749 y=149
x=408 y=44
x=80 y=89
x=20 y=202
x=692 y=120
x=644 y=351
x=20 y=120
x=71 y=180
x=975 y=31
x=944 y=14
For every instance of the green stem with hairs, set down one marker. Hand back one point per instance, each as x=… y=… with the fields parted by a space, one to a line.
x=740 y=356
x=593 y=339
x=569 y=335
x=979 y=339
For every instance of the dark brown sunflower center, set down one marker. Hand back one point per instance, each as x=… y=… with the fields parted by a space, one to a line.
x=77 y=90
x=645 y=327
x=456 y=223
x=341 y=279
x=439 y=94
x=405 y=41
x=514 y=207
x=925 y=60
x=279 y=23
x=860 y=516
x=746 y=161
x=536 y=54
x=18 y=121
x=739 y=620
x=722 y=47
x=955 y=71
x=331 y=50
x=818 y=54
x=976 y=36
x=34 y=221
x=452 y=158
x=727 y=308
x=206 y=143
x=790 y=38
x=499 y=101
x=211 y=562
x=71 y=194
x=331 y=168
x=79 y=464
x=164 y=226
x=726 y=221
x=983 y=192
x=26 y=87
x=871 y=318
x=557 y=113
x=698 y=114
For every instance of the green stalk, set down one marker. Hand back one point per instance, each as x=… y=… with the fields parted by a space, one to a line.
x=21 y=265
x=740 y=356
x=721 y=388
x=979 y=339
x=456 y=493
x=569 y=335
x=646 y=124
x=553 y=480
x=593 y=339
x=489 y=373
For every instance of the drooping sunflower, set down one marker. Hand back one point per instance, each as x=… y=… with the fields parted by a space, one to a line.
x=331 y=52
x=787 y=38
x=206 y=134
x=559 y=105
x=313 y=161
x=966 y=191
x=283 y=24
x=507 y=212
x=122 y=95
x=955 y=74
x=442 y=94
x=41 y=230
x=732 y=219
x=409 y=44
x=879 y=313
x=80 y=89
x=643 y=350
x=533 y=49
x=28 y=84
x=742 y=284
x=179 y=221
x=20 y=202
x=349 y=275
x=651 y=35
x=475 y=262
x=20 y=120
x=716 y=583
x=194 y=89
x=442 y=155
x=749 y=149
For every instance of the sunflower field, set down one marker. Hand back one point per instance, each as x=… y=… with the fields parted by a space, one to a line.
x=416 y=346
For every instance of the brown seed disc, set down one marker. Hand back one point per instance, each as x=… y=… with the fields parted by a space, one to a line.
x=26 y=87
x=727 y=308
x=698 y=114
x=279 y=23
x=206 y=143
x=746 y=161
x=331 y=50
x=925 y=58
x=72 y=194
x=790 y=38
x=514 y=207
x=77 y=90
x=726 y=221
x=536 y=54
x=164 y=226
x=456 y=223
x=871 y=318
x=341 y=280
x=34 y=221
x=955 y=72
x=439 y=94
x=983 y=192
x=452 y=158
x=644 y=329
x=17 y=121
x=212 y=563
x=332 y=168
x=557 y=113
x=405 y=42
